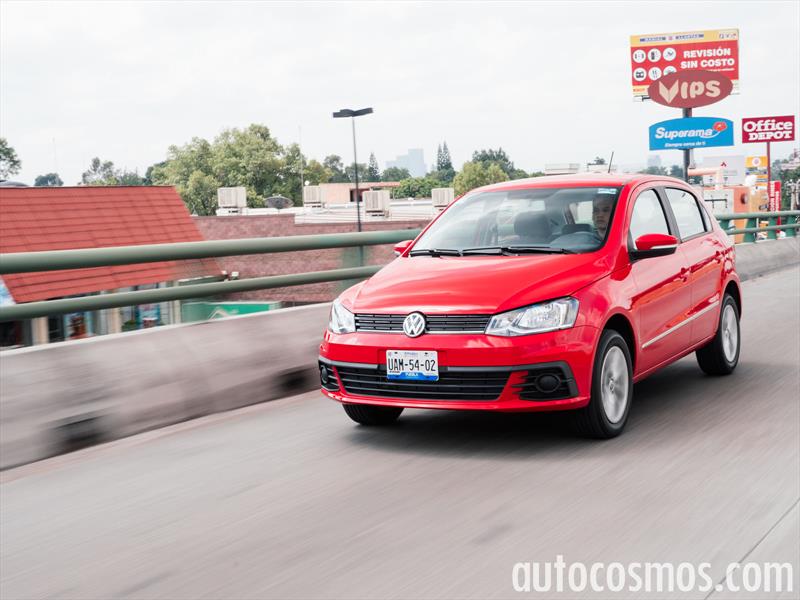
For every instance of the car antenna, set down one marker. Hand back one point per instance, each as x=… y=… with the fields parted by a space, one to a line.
x=610 y=162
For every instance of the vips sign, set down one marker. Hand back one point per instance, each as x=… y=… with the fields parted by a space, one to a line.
x=692 y=132
x=768 y=129
x=690 y=89
x=659 y=54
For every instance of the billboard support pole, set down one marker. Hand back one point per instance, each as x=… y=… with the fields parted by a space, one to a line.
x=687 y=153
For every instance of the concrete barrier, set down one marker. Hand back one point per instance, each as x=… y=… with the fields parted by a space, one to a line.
x=58 y=397
x=753 y=260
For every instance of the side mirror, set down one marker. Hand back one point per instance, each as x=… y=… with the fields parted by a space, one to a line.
x=401 y=247
x=654 y=244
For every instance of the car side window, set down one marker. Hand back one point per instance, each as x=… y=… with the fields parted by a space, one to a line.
x=648 y=216
x=687 y=212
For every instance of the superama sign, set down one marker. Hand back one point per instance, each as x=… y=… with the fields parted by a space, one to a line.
x=658 y=54
x=691 y=132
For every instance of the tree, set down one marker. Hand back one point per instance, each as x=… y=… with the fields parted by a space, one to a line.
x=499 y=157
x=444 y=167
x=599 y=160
x=350 y=172
x=49 y=180
x=416 y=187
x=444 y=163
x=315 y=173
x=517 y=174
x=676 y=171
x=99 y=173
x=334 y=164
x=395 y=174
x=103 y=173
x=10 y=163
x=373 y=170
x=476 y=174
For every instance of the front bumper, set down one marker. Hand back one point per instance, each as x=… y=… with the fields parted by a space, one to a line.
x=356 y=361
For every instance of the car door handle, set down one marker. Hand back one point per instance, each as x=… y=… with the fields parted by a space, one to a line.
x=718 y=256
x=684 y=275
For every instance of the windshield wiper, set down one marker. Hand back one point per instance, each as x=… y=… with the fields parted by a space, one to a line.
x=517 y=250
x=435 y=252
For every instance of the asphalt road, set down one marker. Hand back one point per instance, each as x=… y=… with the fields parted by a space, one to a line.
x=291 y=500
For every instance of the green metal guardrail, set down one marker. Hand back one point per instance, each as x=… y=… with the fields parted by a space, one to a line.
x=21 y=262
x=789 y=224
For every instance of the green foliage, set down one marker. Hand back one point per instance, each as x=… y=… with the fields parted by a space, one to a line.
x=416 y=187
x=48 y=180
x=395 y=174
x=599 y=160
x=476 y=174
x=785 y=176
x=373 y=170
x=249 y=158
x=10 y=164
x=335 y=166
x=518 y=174
x=498 y=157
x=315 y=173
x=350 y=172
x=102 y=172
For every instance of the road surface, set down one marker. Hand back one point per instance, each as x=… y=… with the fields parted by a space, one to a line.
x=291 y=500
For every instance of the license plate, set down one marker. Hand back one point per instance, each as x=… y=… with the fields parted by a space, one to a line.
x=412 y=365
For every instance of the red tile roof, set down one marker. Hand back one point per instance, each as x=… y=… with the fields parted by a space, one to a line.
x=62 y=218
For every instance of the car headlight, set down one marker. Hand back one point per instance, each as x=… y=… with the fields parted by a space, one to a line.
x=341 y=319
x=537 y=318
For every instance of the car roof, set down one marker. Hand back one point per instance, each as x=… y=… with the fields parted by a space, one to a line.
x=577 y=180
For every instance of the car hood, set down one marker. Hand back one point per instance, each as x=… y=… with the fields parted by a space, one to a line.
x=473 y=284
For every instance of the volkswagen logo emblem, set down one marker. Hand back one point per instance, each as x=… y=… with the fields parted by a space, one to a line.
x=414 y=325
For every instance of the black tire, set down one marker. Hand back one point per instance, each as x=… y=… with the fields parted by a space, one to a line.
x=366 y=414
x=713 y=358
x=593 y=420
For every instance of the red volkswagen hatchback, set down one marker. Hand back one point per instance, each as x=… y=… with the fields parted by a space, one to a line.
x=554 y=293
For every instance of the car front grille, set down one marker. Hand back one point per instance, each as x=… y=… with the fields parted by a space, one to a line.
x=452 y=385
x=434 y=323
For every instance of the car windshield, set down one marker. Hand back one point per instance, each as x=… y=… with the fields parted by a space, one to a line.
x=570 y=219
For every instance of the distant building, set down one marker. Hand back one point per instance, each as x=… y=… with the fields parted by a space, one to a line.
x=654 y=160
x=62 y=218
x=343 y=193
x=413 y=161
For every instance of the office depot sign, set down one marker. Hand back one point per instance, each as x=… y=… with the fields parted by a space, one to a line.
x=690 y=89
x=768 y=129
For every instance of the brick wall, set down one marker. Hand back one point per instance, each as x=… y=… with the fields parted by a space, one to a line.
x=284 y=263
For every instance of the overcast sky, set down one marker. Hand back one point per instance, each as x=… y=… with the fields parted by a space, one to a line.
x=549 y=82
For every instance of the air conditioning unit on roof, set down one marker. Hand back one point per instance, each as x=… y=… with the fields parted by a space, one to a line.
x=377 y=203
x=312 y=196
x=441 y=198
x=232 y=197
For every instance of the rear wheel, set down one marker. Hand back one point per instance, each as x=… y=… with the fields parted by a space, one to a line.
x=721 y=355
x=612 y=389
x=366 y=414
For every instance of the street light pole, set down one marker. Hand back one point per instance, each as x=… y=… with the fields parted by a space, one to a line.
x=355 y=166
x=348 y=112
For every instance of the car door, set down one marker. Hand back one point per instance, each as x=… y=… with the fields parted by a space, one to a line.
x=662 y=299
x=704 y=252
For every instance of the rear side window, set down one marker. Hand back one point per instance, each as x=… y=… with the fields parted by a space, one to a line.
x=687 y=212
x=648 y=216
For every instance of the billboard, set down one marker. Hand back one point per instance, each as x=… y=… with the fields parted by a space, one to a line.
x=774 y=195
x=658 y=54
x=691 y=132
x=733 y=168
x=757 y=166
x=768 y=129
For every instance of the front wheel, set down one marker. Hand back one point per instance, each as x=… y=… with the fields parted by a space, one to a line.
x=721 y=355
x=612 y=389
x=366 y=414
